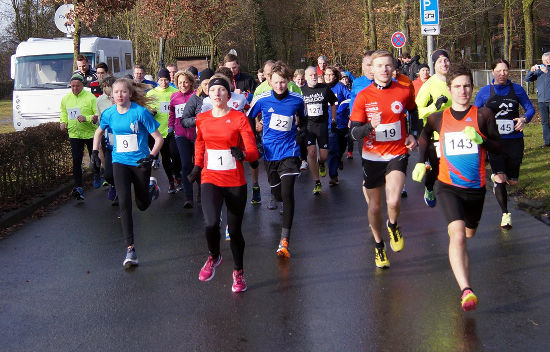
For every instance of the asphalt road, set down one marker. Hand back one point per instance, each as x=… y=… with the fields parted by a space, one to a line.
x=63 y=287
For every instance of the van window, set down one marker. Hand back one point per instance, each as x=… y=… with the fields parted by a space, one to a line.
x=128 y=60
x=110 y=62
x=116 y=64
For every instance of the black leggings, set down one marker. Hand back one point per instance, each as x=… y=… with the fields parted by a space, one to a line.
x=284 y=192
x=169 y=152
x=212 y=198
x=124 y=176
x=108 y=164
x=77 y=151
x=431 y=175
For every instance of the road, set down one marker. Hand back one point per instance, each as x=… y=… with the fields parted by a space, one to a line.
x=63 y=288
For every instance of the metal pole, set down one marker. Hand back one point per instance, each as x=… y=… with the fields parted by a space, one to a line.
x=430 y=39
x=161 y=52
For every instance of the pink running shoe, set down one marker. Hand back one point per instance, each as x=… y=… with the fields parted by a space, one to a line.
x=469 y=300
x=209 y=268
x=239 y=283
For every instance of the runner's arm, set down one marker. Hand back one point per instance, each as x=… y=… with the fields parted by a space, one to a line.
x=488 y=126
x=249 y=140
x=433 y=124
x=525 y=102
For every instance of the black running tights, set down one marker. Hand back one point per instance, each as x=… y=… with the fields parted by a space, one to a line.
x=212 y=198
x=284 y=192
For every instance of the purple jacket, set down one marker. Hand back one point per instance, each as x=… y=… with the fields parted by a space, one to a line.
x=177 y=102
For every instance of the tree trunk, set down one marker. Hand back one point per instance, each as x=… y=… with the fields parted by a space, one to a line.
x=528 y=21
x=372 y=26
x=76 y=40
x=506 y=29
x=403 y=21
x=487 y=36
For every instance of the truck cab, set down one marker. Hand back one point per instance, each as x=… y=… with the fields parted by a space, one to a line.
x=42 y=68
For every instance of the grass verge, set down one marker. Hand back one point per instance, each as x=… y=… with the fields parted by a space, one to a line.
x=6 y=123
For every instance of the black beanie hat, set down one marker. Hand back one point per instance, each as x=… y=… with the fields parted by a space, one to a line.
x=206 y=74
x=163 y=73
x=436 y=54
x=218 y=81
x=421 y=66
x=193 y=70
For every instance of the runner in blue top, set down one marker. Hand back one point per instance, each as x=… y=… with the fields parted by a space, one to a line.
x=131 y=124
x=279 y=109
x=504 y=98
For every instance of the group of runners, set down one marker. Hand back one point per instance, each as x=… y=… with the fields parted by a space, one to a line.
x=206 y=127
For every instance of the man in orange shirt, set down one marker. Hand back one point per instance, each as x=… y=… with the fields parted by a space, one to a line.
x=379 y=115
x=423 y=75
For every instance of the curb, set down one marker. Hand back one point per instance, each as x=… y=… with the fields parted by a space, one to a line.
x=16 y=216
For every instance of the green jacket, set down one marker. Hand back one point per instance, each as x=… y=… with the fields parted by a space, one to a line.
x=162 y=96
x=82 y=104
x=432 y=89
x=265 y=87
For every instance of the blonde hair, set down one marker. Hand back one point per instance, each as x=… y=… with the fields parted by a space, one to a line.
x=137 y=91
x=381 y=53
x=190 y=77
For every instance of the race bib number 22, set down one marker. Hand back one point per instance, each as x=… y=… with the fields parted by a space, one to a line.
x=280 y=122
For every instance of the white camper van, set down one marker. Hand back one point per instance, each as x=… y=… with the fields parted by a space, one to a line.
x=41 y=70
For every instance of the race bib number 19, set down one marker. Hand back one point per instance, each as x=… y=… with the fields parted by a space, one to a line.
x=73 y=113
x=456 y=143
x=388 y=132
x=126 y=143
x=220 y=160
x=280 y=122
x=505 y=126
x=163 y=107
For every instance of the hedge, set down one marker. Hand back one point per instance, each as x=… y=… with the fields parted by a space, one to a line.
x=6 y=89
x=32 y=161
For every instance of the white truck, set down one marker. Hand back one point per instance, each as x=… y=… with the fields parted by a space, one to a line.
x=41 y=70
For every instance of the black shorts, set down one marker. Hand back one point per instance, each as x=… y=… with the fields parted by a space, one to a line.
x=280 y=168
x=317 y=132
x=510 y=160
x=374 y=172
x=460 y=203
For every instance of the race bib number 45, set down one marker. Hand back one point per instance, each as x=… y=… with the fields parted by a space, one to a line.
x=280 y=122
x=505 y=126
x=456 y=143
x=388 y=132
x=220 y=160
x=314 y=110
x=72 y=114
x=126 y=143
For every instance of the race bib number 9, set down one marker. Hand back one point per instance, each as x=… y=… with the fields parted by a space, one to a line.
x=314 y=110
x=388 y=132
x=280 y=122
x=179 y=110
x=505 y=126
x=456 y=143
x=164 y=107
x=126 y=143
x=73 y=113
x=220 y=160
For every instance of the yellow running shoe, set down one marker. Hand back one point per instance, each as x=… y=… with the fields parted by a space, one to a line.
x=506 y=222
x=282 y=251
x=468 y=300
x=322 y=169
x=380 y=258
x=317 y=189
x=396 y=238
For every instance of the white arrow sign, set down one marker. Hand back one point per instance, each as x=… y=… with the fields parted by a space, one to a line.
x=430 y=29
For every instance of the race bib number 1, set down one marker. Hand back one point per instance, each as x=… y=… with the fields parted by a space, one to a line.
x=388 y=132
x=505 y=126
x=179 y=110
x=456 y=143
x=280 y=122
x=73 y=113
x=314 y=110
x=126 y=143
x=163 y=107
x=220 y=160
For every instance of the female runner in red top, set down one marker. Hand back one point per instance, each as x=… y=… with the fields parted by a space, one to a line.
x=224 y=140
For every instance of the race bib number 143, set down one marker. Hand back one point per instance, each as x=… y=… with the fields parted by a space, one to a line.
x=456 y=143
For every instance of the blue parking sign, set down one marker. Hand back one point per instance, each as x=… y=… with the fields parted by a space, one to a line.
x=429 y=12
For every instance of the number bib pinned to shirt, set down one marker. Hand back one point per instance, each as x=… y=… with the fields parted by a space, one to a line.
x=280 y=122
x=179 y=110
x=505 y=126
x=72 y=114
x=456 y=143
x=388 y=132
x=220 y=160
x=126 y=143
x=164 y=107
x=314 y=110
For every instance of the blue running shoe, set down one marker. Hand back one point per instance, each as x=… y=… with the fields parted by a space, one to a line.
x=131 y=258
x=78 y=193
x=154 y=188
x=429 y=198
x=97 y=181
x=112 y=193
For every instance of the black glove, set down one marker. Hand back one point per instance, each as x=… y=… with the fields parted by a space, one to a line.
x=96 y=161
x=333 y=126
x=194 y=174
x=301 y=136
x=255 y=164
x=237 y=153
x=440 y=101
x=146 y=162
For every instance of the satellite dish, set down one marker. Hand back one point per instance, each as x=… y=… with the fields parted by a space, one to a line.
x=233 y=52
x=60 y=19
